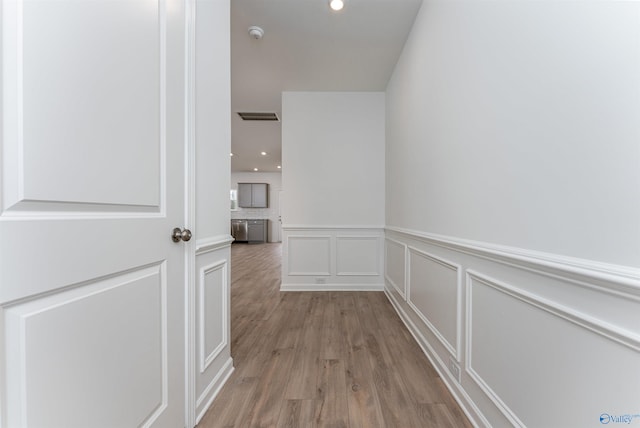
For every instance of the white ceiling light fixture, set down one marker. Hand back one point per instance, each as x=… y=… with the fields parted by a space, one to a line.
x=263 y=153
x=336 y=5
x=256 y=32
x=279 y=167
x=255 y=169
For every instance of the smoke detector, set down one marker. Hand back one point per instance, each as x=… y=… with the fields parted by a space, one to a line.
x=256 y=32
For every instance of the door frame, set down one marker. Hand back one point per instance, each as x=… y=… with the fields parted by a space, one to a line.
x=190 y=215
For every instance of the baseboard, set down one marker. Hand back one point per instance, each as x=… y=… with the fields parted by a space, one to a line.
x=211 y=392
x=462 y=398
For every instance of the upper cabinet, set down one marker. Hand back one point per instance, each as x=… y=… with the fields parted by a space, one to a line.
x=253 y=195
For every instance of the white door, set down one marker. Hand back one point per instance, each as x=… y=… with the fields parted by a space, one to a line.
x=92 y=287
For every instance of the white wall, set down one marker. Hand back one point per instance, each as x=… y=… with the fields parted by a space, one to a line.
x=333 y=181
x=274 y=179
x=333 y=158
x=525 y=114
x=513 y=205
x=211 y=361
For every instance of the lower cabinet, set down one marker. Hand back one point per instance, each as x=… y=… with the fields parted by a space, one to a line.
x=257 y=230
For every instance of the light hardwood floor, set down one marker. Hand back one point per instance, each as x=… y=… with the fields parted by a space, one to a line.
x=321 y=359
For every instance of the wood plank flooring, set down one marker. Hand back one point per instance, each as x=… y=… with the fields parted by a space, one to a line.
x=321 y=359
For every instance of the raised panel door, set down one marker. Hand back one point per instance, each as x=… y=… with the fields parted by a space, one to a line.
x=91 y=284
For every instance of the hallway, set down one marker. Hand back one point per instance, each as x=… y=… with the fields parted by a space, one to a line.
x=334 y=359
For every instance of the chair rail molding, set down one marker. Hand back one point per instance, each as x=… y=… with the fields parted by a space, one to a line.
x=495 y=320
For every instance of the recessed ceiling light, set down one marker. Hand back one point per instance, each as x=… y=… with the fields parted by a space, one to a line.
x=255 y=169
x=336 y=4
x=263 y=153
x=279 y=167
x=230 y=154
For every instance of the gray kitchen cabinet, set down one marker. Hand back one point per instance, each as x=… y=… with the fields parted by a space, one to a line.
x=253 y=195
x=244 y=195
x=257 y=230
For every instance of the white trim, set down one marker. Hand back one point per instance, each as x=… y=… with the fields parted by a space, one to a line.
x=213 y=243
x=609 y=331
x=190 y=210
x=165 y=351
x=339 y=238
x=453 y=350
x=606 y=330
x=402 y=292
x=12 y=189
x=326 y=238
x=218 y=382
x=458 y=393
x=332 y=227
x=357 y=274
x=205 y=361
x=613 y=279
x=331 y=287
x=475 y=376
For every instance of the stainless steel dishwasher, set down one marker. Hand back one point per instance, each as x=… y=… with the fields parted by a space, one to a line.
x=240 y=229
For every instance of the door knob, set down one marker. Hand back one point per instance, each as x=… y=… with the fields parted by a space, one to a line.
x=180 y=234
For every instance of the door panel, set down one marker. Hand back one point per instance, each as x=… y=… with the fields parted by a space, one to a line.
x=71 y=92
x=121 y=340
x=91 y=286
x=122 y=131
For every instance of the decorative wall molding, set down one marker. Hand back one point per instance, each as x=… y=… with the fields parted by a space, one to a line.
x=359 y=228
x=403 y=247
x=475 y=376
x=592 y=325
x=453 y=348
x=621 y=280
x=608 y=331
x=373 y=261
x=207 y=359
x=213 y=243
x=597 y=305
x=332 y=258
x=459 y=394
x=322 y=255
x=213 y=389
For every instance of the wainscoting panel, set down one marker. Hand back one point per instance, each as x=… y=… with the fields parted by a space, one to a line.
x=546 y=346
x=212 y=363
x=357 y=256
x=101 y=353
x=309 y=255
x=212 y=312
x=539 y=339
x=395 y=265
x=434 y=295
x=332 y=258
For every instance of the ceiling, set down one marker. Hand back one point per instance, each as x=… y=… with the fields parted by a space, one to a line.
x=306 y=47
